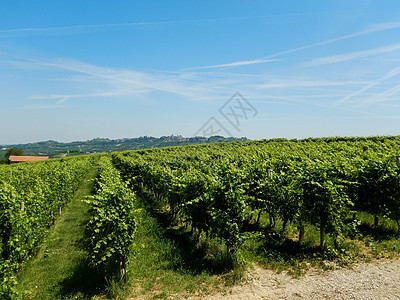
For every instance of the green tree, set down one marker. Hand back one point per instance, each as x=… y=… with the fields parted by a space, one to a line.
x=13 y=151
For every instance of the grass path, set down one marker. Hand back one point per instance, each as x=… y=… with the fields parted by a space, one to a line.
x=169 y=264
x=60 y=269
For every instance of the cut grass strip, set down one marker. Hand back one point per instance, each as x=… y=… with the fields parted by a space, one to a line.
x=60 y=269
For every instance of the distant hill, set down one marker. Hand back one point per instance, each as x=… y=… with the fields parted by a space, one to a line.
x=99 y=145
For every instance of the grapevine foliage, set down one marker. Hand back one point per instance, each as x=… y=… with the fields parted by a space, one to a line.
x=114 y=220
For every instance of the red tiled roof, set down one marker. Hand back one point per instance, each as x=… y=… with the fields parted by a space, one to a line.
x=26 y=158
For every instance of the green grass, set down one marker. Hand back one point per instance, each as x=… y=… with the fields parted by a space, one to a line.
x=169 y=262
x=60 y=269
x=384 y=241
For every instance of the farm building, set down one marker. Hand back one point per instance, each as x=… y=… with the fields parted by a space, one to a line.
x=17 y=159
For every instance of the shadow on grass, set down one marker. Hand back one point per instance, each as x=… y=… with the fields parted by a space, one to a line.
x=275 y=248
x=194 y=257
x=268 y=246
x=381 y=233
x=85 y=283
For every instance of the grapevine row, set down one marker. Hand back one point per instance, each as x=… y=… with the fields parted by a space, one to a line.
x=31 y=197
x=113 y=220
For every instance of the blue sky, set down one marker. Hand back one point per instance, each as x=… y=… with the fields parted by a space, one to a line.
x=77 y=70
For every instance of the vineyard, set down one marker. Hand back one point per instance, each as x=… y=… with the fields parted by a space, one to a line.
x=216 y=189
x=229 y=194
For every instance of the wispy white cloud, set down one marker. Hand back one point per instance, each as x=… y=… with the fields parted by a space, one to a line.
x=383 y=26
x=387 y=96
x=112 y=82
x=392 y=73
x=308 y=83
x=77 y=29
x=371 y=29
x=87 y=28
x=352 y=55
x=191 y=86
x=62 y=98
x=234 y=64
